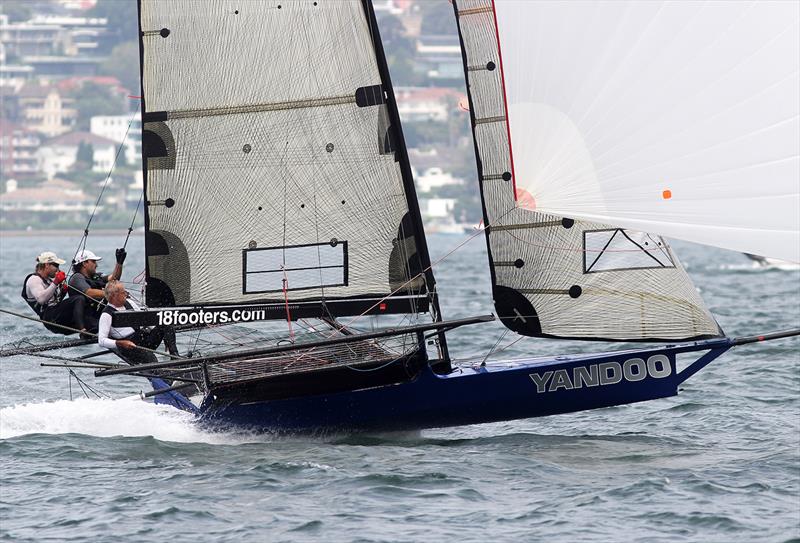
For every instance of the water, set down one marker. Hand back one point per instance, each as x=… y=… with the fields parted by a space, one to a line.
x=720 y=462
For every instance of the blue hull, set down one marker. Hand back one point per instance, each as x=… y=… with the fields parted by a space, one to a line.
x=516 y=390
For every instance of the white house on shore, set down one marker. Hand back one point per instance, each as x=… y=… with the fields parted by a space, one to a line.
x=59 y=154
x=436 y=177
x=57 y=198
x=121 y=128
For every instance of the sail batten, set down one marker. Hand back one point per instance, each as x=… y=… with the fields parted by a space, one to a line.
x=254 y=108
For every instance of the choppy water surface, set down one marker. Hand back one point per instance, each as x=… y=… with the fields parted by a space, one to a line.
x=720 y=462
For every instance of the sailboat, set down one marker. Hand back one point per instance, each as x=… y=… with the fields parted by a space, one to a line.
x=278 y=188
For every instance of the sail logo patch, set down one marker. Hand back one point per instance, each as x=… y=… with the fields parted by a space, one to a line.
x=171 y=317
x=604 y=373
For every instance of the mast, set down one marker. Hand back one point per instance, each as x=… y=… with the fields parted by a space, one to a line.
x=143 y=110
x=408 y=179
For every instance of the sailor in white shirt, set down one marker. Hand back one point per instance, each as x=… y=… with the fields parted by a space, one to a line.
x=125 y=340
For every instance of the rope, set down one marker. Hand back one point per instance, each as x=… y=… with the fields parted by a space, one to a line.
x=82 y=384
x=286 y=301
x=82 y=243
x=478 y=231
x=133 y=220
x=85 y=333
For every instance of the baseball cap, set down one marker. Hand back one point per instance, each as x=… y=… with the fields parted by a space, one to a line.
x=48 y=257
x=85 y=255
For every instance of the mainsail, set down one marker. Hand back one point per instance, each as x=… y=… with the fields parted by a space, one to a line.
x=275 y=167
x=553 y=275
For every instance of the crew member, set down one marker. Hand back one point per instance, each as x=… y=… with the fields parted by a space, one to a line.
x=124 y=340
x=88 y=284
x=45 y=289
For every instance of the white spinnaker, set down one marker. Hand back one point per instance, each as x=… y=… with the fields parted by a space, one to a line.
x=677 y=118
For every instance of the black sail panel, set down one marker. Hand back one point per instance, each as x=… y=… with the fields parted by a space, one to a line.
x=553 y=276
x=274 y=164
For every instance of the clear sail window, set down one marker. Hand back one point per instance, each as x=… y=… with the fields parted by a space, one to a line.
x=295 y=267
x=617 y=249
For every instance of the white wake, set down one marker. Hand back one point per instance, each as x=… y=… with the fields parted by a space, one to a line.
x=127 y=417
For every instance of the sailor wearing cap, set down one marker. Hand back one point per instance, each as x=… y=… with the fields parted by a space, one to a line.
x=44 y=291
x=88 y=284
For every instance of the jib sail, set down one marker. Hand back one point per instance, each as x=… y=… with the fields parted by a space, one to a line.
x=553 y=274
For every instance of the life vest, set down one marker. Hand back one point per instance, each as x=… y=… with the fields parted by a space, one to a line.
x=110 y=310
x=98 y=282
x=36 y=306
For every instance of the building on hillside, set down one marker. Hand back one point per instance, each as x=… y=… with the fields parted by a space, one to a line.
x=33 y=39
x=438 y=208
x=112 y=84
x=77 y=5
x=392 y=7
x=438 y=214
x=53 y=36
x=12 y=76
x=86 y=34
x=47 y=110
x=54 y=67
x=435 y=178
x=439 y=58
x=419 y=104
x=121 y=128
x=18 y=148
x=59 y=154
x=53 y=201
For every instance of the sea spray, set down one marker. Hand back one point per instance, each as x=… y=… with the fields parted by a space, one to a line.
x=126 y=417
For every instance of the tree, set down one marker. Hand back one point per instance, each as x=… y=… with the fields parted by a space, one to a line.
x=393 y=35
x=438 y=18
x=121 y=16
x=84 y=160
x=92 y=99
x=17 y=10
x=122 y=158
x=123 y=63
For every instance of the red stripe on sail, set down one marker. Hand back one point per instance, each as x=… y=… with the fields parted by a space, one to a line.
x=505 y=102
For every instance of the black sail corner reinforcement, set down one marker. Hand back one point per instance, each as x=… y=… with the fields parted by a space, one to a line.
x=516 y=312
x=386 y=144
x=158 y=146
x=170 y=276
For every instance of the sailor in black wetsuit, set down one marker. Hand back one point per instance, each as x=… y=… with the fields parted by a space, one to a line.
x=44 y=290
x=88 y=284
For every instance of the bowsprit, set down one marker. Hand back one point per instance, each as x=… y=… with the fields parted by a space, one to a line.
x=604 y=373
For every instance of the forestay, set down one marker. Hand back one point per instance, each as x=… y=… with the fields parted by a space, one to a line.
x=679 y=118
x=553 y=275
x=274 y=167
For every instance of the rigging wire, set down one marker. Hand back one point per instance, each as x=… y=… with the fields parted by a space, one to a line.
x=84 y=332
x=82 y=384
x=82 y=242
x=133 y=220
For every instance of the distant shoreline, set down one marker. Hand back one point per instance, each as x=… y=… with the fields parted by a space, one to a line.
x=66 y=233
